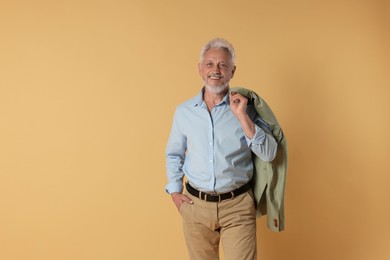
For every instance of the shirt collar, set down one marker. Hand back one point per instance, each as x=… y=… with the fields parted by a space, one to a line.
x=199 y=98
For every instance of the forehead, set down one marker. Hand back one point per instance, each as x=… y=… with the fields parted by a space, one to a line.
x=217 y=54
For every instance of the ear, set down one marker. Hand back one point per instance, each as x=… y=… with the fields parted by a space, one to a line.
x=200 y=69
x=233 y=71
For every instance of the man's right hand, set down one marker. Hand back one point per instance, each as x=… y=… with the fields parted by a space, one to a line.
x=179 y=199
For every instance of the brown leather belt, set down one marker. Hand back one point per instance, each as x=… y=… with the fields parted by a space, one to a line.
x=217 y=197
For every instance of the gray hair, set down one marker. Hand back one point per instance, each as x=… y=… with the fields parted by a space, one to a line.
x=218 y=43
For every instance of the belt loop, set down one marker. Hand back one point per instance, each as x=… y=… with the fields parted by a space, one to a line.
x=232 y=195
x=200 y=195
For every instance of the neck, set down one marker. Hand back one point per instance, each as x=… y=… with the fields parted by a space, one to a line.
x=212 y=99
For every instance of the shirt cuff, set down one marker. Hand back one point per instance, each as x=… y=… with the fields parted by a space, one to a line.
x=258 y=138
x=174 y=187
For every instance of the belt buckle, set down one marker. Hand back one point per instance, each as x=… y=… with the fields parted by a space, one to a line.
x=217 y=195
x=211 y=195
x=214 y=195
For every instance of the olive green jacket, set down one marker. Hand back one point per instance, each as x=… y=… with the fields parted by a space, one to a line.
x=269 y=178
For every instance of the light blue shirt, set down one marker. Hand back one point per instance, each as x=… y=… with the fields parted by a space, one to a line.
x=210 y=148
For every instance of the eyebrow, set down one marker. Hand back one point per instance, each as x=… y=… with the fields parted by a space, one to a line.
x=220 y=61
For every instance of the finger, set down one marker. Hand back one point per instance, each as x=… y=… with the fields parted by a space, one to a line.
x=238 y=95
x=235 y=94
x=241 y=99
x=187 y=199
x=235 y=99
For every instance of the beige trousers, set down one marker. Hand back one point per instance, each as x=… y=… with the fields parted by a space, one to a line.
x=233 y=222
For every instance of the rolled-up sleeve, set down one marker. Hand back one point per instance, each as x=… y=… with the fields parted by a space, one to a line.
x=263 y=143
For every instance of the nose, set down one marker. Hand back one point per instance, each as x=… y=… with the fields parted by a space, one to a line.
x=216 y=69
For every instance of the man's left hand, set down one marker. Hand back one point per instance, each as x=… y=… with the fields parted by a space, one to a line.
x=238 y=104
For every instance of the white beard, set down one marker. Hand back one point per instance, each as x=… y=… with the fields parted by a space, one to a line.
x=216 y=89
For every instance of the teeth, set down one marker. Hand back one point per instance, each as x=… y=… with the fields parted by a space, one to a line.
x=215 y=77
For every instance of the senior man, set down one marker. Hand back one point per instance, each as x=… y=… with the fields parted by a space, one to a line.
x=210 y=148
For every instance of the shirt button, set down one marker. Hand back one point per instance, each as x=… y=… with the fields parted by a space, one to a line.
x=211 y=161
x=210 y=143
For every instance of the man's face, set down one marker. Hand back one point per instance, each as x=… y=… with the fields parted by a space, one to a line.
x=216 y=70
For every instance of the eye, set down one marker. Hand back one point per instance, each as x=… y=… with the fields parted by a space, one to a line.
x=209 y=64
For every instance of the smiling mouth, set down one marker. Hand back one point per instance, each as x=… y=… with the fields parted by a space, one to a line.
x=215 y=76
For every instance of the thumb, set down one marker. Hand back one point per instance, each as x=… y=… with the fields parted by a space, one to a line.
x=187 y=199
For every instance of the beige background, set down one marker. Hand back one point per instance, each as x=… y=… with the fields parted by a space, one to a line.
x=87 y=94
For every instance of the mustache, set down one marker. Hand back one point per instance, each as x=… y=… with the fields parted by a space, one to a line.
x=215 y=75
